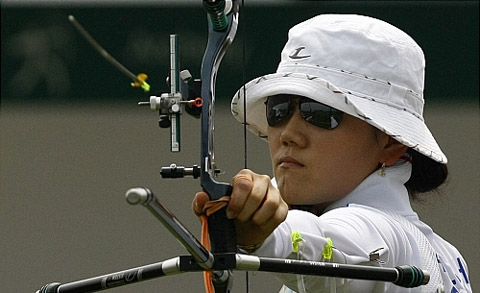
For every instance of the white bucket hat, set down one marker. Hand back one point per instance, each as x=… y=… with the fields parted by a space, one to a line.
x=360 y=65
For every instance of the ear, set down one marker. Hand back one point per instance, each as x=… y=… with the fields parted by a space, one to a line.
x=391 y=152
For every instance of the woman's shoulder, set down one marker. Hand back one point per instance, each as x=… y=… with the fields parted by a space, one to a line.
x=357 y=213
x=371 y=226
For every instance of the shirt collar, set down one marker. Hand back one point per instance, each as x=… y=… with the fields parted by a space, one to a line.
x=382 y=192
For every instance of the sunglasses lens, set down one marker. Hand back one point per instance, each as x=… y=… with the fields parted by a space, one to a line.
x=279 y=108
x=319 y=114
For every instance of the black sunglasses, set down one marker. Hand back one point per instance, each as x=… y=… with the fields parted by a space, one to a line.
x=281 y=107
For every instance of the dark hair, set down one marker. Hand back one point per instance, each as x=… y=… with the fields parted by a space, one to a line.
x=427 y=174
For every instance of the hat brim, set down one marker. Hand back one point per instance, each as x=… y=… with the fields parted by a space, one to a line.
x=400 y=124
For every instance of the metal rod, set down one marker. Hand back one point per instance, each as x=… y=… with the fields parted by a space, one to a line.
x=174 y=89
x=129 y=276
x=405 y=276
x=145 y=197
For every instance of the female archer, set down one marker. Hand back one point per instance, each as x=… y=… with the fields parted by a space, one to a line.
x=343 y=116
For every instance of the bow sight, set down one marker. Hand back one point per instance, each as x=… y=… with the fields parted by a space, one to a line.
x=169 y=105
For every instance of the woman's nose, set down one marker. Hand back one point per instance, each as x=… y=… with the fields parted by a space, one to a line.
x=294 y=131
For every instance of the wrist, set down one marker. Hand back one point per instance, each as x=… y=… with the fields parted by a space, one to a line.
x=248 y=248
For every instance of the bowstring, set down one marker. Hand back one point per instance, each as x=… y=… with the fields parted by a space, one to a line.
x=245 y=147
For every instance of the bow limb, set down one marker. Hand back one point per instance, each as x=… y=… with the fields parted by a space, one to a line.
x=218 y=42
x=221 y=230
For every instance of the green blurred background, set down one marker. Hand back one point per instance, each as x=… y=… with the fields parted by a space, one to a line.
x=72 y=139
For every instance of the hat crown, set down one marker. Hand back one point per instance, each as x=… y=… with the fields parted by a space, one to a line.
x=356 y=44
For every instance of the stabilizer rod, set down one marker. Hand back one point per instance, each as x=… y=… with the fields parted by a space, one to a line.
x=144 y=196
x=404 y=276
x=129 y=276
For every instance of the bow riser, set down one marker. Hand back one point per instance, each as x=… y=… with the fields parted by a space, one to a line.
x=221 y=229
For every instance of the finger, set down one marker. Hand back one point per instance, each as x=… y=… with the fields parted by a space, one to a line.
x=272 y=223
x=272 y=204
x=256 y=197
x=273 y=210
x=242 y=185
x=250 y=233
x=199 y=202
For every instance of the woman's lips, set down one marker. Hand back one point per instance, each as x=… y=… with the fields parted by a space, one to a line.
x=289 y=162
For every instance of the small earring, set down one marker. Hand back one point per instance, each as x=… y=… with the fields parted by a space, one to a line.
x=382 y=170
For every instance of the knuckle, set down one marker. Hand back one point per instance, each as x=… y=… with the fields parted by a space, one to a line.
x=245 y=172
x=263 y=178
x=241 y=183
x=244 y=184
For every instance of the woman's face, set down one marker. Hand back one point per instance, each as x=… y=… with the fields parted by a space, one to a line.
x=315 y=166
